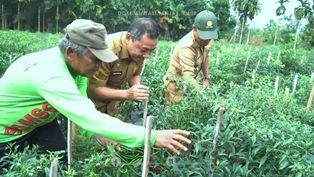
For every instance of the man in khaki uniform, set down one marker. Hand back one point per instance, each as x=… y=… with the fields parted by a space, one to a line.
x=190 y=56
x=132 y=47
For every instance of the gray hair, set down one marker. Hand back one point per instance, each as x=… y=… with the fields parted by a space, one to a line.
x=65 y=42
x=142 y=26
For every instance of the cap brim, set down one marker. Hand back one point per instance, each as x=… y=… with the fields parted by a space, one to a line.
x=105 y=55
x=205 y=35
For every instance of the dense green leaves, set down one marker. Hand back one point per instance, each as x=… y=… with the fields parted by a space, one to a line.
x=262 y=133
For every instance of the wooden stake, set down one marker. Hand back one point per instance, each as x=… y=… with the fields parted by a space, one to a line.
x=295 y=80
x=156 y=57
x=145 y=112
x=69 y=142
x=312 y=77
x=278 y=56
x=309 y=102
x=268 y=57
x=54 y=168
x=253 y=76
x=147 y=148
x=217 y=59
x=233 y=37
x=257 y=66
x=142 y=71
x=276 y=85
x=217 y=130
x=247 y=60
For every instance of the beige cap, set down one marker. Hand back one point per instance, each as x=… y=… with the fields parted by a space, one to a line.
x=91 y=35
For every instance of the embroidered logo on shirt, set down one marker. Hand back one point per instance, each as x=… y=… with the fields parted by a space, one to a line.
x=116 y=73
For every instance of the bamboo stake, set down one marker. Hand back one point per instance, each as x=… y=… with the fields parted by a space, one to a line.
x=276 y=85
x=217 y=130
x=268 y=57
x=69 y=142
x=309 y=102
x=156 y=56
x=247 y=61
x=54 y=168
x=217 y=59
x=142 y=71
x=145 y=112
x=147 y=148
x=233 y=37
x=312 y=76
x=278 y=55
x=295 y=80
x=253 y=76
x=257 y=66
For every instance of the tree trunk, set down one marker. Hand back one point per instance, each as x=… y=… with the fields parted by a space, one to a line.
x=18 y=15
x=2 y=16
x=248 y=37
x=43 y=23
x=38 y=20
x=242 y=27
x=57 y=17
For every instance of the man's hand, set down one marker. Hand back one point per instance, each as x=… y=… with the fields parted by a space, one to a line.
x=138 y=93
x=205 y=82
x=172 y=140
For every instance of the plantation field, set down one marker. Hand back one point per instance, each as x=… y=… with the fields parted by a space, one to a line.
x=266 y=128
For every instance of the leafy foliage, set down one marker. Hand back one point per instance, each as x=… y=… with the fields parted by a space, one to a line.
x=263 y=133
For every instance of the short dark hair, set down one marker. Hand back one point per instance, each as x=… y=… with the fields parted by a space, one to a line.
x=142 y=26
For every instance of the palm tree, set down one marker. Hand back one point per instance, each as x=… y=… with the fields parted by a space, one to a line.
x=245 y=9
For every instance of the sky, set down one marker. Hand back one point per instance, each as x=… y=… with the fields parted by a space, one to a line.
x=268 y=12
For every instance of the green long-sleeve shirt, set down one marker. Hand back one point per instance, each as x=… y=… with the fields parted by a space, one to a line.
x=39 y=86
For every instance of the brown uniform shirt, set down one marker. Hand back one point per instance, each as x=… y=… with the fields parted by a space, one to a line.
x=186 y=61
x=115 y=74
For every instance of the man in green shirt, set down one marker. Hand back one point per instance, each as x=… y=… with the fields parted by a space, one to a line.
x=190 y=56
x=39 y=86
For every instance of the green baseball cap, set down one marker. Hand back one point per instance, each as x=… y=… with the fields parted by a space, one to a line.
x=206 y=25
x=91 y=35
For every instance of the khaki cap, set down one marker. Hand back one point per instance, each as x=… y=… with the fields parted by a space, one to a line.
x=91 y=35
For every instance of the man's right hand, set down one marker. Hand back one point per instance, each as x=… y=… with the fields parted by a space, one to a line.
x=138 y=93
x=172 y=140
